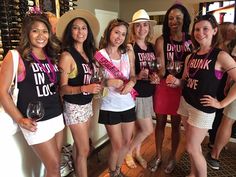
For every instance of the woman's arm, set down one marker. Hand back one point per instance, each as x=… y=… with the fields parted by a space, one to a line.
x=6 y=74
x=224 y=63
x=132 y=78
x=67 y=65
x=159 y=51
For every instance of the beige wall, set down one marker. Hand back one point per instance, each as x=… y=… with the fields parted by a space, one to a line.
x=91 y=5
x=128 y=7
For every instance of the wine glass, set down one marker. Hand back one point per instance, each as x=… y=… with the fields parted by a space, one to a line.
x=174 y=67
x=96 y=78
x=178 y=66
x=154 y=66
x=35 y=110
x=171 y=67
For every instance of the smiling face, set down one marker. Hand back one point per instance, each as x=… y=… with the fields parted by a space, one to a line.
x=141 y=29
x=175 y=20
x=230 y=33
x=204 y=32
x=38 y=35
x=79 y=31
x=118 y=35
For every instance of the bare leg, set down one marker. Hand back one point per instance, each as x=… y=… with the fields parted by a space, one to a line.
x=115 y=136
x=160 y=133
x=222 y=136
x=81 y=139
x=127 y=132
x=49 y=154
x=194 y=138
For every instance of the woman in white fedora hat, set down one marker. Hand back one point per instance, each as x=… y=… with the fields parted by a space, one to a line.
x=141 y=31
x=77 y=66
x=172 y=47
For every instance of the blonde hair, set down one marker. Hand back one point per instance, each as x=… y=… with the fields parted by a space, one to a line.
x=148 y=37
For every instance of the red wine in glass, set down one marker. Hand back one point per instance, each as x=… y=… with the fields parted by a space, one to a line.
x=35 y=110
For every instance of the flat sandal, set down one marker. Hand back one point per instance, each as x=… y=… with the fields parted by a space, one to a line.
x=154 y=164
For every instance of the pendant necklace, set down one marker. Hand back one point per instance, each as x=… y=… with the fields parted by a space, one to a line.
x=51 y=74
x=178 y=57
x=205 y=58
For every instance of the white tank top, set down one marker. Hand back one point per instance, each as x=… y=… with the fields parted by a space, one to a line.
x=114 y=101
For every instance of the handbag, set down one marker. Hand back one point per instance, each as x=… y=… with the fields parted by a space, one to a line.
x=7 y=125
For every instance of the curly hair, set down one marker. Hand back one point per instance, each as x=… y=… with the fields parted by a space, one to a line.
x=212 y=20
x=186 y=20
x=88 y=45
x=105 y=40
x=52 y=48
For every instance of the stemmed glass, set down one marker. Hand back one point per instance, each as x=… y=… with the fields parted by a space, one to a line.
x=35 y=110
x=97 y=78
x=154 y=66
x=174 y=67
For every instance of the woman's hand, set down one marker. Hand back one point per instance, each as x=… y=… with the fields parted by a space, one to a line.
x=116 y=83
x=143 y=74
x=208 y=100
x=91 y=88
x=154 y=78
x=172 y=81
x=127 y=88
x=28 y=124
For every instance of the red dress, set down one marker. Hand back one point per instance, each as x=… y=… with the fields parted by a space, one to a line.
x=166 y=99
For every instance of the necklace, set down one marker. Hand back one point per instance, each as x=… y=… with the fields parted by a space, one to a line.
x=51 y=74
x=178 y=57
x=204 y=59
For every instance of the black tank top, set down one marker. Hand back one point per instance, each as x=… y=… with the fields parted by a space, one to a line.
x=37 y=87
x=202 y=80
x=177 y=51
x=143 y=87
x=83 y=78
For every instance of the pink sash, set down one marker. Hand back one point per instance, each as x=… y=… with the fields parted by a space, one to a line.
x=113 y=70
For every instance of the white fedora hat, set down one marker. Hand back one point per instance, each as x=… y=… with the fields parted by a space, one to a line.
x=142 y=16
x=70 y=15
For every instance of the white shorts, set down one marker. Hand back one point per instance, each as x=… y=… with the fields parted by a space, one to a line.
x=45 y=130
x=195 y=117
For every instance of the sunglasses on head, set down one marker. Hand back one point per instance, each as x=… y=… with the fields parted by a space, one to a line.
x=122 y=22
x=209 y=17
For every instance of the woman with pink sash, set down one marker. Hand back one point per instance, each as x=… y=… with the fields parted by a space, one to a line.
x=117 y=108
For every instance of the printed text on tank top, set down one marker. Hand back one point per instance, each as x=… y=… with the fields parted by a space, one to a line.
x=51 y=73
x=198 y=63
x=178 y=57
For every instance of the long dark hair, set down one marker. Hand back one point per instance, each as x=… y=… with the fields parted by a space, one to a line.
x=105 y=40
x=88 y=45
x=186 y=20
x=52 y=48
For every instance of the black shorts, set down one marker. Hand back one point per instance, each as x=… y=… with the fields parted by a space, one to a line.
x=112 y=118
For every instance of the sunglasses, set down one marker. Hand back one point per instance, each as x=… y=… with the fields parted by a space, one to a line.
x=208 y=17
